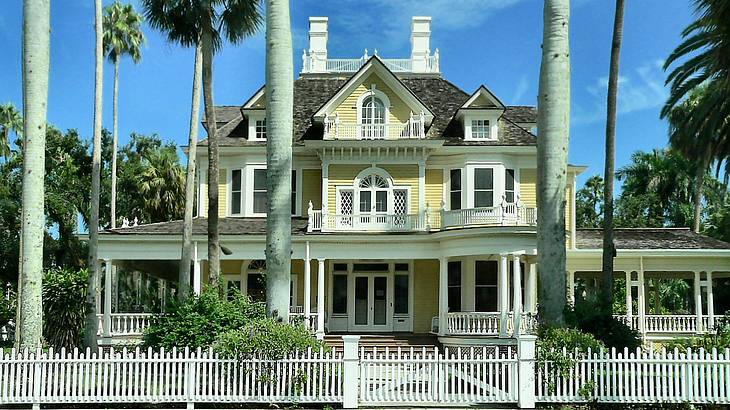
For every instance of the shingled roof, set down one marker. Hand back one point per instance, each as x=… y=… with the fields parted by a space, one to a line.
x=441 y=96
x=226 y=226
x=649 y=238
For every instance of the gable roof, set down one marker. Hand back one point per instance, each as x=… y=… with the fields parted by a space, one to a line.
x=649 y=238
x=441 y=96
x=483 y=93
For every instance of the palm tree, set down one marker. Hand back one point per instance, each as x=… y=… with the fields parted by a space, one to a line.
x=187 y=236
x=589 y=203
x=279 y=115
x=122 y=36
x=36 y=53
x=207 y=22
x=552 y=155
x=91 y=326
x=609 y=177
x=10 y=121
x=161 y=183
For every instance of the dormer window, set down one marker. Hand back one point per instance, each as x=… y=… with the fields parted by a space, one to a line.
x=480 y=129
x=260 y=129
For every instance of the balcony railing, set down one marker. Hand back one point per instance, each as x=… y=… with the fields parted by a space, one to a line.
x=126 y=324
x=312 y=63
x=507 y=214
x=486 y=323
x=669 y=324
x=336 y=130
x=367 y=223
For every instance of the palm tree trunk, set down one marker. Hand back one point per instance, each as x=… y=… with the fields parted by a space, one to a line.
x=91 y=327
x=552 y=155
x=699 y=187
x=609 y=177
x=279 y=115
x=210 y=118
x=36 y=51
x=115 y=142
x=187 y=246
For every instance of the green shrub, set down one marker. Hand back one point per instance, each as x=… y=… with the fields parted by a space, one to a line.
x=266 y=338
x=589 y=318
x=199 y=320
x=719 y=340
x=7 y=308
x=64 y=306
x=551 y=343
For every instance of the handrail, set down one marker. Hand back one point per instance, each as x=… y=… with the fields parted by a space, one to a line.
x=335 y=130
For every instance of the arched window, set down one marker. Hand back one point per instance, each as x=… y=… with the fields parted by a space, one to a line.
x=256 y=280
x=372 y=114
x=373 y=110
x=373 y=190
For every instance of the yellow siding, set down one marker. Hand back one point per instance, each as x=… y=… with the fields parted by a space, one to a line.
x=425 y=293
x=347 y=110
x=528 y=186
x=230 y=267
x=406 y=175
x=344 y=175
x=569 y=206
x=340 y=174
x=311 y=189
x=434 y=187
x=222 y=192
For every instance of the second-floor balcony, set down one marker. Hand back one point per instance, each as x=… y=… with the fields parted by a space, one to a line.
x=428 y=220
x=414 y=128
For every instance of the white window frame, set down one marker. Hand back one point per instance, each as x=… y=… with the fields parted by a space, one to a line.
x=391 y=186
x=378 y=94
x=473 y=188
x=229 y=195
x=481 y=115
x=253 y=118
x=480 y=128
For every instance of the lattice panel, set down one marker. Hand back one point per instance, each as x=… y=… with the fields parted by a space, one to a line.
x=346 y=202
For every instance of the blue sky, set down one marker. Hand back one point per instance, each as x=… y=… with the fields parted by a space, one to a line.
x=490 y=42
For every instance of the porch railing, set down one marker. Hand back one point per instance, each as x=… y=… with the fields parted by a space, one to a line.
x=507 y=214
x=486 y=323
x=670 y=324
x=412 y=129
x=311 y=63
x=126 y=324
x=367 y=223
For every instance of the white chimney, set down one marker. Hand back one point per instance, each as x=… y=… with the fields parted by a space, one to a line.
x=318 y=44
x=420 y=43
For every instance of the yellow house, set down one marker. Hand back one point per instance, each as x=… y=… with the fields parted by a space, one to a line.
x=414 y=210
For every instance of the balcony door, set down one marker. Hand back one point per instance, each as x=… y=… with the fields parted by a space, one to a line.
x=372 y=310
x=373 y=116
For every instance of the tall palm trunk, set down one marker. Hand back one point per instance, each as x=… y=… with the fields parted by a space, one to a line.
x=609 y=177
x=115 y=142
x=699 y=187
x=187 y=246
x=36 y=50
x=552 y=154
x=210 y=118
x=279 y=116
x=91 y=327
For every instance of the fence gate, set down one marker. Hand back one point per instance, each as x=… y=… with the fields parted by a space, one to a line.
x=467 y=376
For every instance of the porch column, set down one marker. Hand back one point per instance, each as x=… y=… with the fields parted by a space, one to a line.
x=642 y=302
x=503 y=294
x=443 y=294
x=710 y=303
x=657 y=296
x=307 y=285
x=421 y=187
x=570 y=291
x=196 y=270
x=107 y=324
x=325 y=186
x=516 y=295
x=629 y=307
x=320 y=299
x=531 y=288
x=698 y=301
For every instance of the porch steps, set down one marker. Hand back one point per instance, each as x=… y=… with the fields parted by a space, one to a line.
x=391 y=341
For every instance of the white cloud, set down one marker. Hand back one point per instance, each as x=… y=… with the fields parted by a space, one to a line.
x=522 y=88
x=639 y=89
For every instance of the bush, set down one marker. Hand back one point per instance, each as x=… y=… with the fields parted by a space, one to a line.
x=551 y=343
x=266 y=338
x=589 y=317
x=7 y=308
x=64 y=306
x=199 y=320
x=719 y=340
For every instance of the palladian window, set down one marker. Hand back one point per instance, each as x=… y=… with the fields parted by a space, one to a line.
x=373 y=116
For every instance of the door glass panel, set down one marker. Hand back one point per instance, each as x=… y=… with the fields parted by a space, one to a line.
x=401 y=294
x=381 y=201
x=380 y=290
x=361 y=300
x=365 y=206
x=339 y=294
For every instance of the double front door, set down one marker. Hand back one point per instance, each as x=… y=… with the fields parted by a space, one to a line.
x=372 y=304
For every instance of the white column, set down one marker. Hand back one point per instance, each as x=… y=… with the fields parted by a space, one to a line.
x=516 y=295
x=443 y=294
x=320 y=299
x=698 y=301
x=710 y=302
x=642 y=302
x=629 y=307
x=526 y=371
x=351 y=371
x=325 y=189
x=531 y=286
x=570 y=287
x=307 y=285
x=197 y=282
x=421 y=187
x=503 y=295
x=107 y=324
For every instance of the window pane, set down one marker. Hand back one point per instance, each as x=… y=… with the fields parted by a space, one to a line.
x=256 y=287
x=339 y=294
x=259 y=202
x=381 y=201
x=454 y=274
x=454 y=299
x=401 y=267
x=509 y=179
x=370 y=267
x=294 y=191
x=236 y=203
x=486 y=273
x=340 y=267
x=509 y=197
x=365 y=204
x=236 y=180
x=455 y=179
x=485 y=299
x=401 y=294
x=483 y=178
x=483 y=199
x=456 y=200
x=259 y=179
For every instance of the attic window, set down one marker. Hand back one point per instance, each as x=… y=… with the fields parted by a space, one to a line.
x=480 y=129
x=261 y=129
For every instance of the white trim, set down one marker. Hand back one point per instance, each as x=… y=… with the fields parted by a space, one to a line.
x=482 y=90
x=372 y=91
x=484 y=115
x=253 y=117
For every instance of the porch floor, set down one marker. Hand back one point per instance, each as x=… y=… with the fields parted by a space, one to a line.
x=390 y=340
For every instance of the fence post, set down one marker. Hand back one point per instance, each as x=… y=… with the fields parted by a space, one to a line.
x=37 y=382
x=189 y=380
x=351 y=367
x=526 y=371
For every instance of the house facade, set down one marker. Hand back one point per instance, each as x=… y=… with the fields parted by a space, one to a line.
x=414 y=211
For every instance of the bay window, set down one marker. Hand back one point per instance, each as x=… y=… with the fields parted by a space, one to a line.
x=483 y=187
x=509 y=185
x=455 y=189
x=260 y=198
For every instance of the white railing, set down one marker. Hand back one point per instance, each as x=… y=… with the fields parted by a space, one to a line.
x=366 y=223
x=486 y=323
x=428 y=376
x=669 y=324
x=413 y=129
x=126 y=324
x=612 y=376
x=296 y=316
x=507 y=214
x=311 y=63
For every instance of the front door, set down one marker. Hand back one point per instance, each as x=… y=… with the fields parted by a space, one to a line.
x=372 y=303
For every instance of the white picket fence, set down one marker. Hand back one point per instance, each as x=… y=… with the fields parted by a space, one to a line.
x=612 y=376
